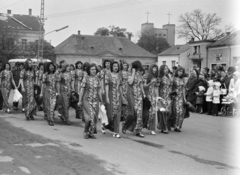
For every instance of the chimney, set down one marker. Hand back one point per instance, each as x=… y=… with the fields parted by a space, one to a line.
x=9 y=12
x=79 y=32
x=30 y=12
x=129 y=35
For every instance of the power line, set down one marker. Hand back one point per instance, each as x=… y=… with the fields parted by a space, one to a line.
x=12 y=4
x=97 y=8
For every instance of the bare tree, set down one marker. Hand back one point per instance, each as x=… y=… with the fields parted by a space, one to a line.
x=200 y=26
x=10 y=44
x=152 y=43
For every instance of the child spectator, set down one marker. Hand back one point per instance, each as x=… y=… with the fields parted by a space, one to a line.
x=209 y=97
x=216 y=98
x=199 y=100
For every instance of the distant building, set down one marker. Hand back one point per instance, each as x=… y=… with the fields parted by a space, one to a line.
x=96 y=49
x=225 y=51
x=174 y=56
x=207 y=53
x=18 y=30
x=167 y=31
x=27 y=26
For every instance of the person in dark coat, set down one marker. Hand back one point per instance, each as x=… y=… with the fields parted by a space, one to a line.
x=191 y=85
x=230 y=72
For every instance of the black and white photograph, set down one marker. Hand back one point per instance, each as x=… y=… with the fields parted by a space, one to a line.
x=119 y=87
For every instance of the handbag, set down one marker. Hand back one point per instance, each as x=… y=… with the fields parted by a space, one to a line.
x=16 y=96
x=102 y=115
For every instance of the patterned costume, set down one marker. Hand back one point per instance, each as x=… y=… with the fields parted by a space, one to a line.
x=28 y=81
x=178 y=87
x=77 y=77
x=6 y=78
x=152 y=96
x=114 y=81
x=65 y=80
x=49 y=82
x=90 y=101
x=165 y=89
x=134 y=121
x=125 y=75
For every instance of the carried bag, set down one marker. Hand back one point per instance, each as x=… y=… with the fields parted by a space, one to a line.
x=16 y=95
x=102 y=115
x=224 y=90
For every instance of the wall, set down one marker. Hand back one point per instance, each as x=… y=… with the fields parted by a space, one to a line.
x=168 y=60
x=71 y=59
x=171 y=33
x=229 y=56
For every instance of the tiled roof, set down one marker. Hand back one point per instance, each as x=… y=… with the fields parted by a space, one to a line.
x=99 y=45
x=175 y=50
x=228 y=40
x=19 y=22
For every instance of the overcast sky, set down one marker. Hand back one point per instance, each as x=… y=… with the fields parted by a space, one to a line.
x=88 y=15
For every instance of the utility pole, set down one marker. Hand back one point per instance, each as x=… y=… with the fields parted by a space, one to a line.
x=41 y=32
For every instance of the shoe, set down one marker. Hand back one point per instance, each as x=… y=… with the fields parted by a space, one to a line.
x=140 y=135
x=31 y=117
x=152 y=133
x=27 y=118
x=68 y=122
x=177 y=130
x=86 y=135
x=50 y=123
x=92 y=136
x=165 y=132
x=8 y=111
x=116 y=135
x=103 y=130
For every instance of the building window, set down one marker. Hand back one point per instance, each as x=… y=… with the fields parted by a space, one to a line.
x=159 y=34
x=196 y=50
x=173 y=63
x=164 y=34
x=24 y=44
x=164 y=62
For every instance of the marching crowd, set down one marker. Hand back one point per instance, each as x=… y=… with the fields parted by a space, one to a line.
x=153 y=98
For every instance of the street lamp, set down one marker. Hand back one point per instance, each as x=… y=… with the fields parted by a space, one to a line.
x=57 y=30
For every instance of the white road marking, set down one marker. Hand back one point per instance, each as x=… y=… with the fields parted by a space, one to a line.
x=38 y=157
x=6 y=159
x=24 y=169
x=40 y=144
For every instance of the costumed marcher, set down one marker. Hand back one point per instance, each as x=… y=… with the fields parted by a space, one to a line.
x=50 y=92
x=90 y=95
x=151 y=90
x=165 y=89
x=6 y=78
x=114 y=98
x=27 y=85
x=209 y=97
x=135 y=95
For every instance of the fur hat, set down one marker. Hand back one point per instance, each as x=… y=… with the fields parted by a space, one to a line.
x=201 y=88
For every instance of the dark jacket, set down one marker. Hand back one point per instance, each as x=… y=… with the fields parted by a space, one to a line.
x=191 y=89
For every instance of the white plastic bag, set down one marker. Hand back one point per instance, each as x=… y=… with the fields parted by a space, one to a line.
x=16 y=95
x=103 y=115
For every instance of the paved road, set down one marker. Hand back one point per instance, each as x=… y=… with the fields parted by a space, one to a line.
x=206 y=145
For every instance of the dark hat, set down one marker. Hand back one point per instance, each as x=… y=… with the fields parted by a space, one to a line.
x=207 y=69
x=231 y=69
